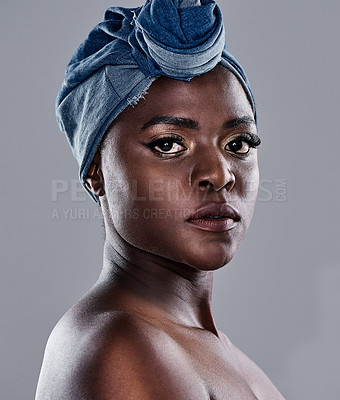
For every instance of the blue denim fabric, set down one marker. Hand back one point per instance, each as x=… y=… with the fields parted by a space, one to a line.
x=178 y=42
x=125 y=53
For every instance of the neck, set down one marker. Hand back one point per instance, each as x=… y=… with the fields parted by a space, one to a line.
x=156 y=287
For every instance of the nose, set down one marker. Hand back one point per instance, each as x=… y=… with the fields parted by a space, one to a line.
x=212 y=171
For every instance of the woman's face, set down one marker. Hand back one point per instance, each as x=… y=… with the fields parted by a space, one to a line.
x=180 y=173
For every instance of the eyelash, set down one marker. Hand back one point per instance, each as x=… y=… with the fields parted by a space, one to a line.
x=171 y=138
x=252 y=140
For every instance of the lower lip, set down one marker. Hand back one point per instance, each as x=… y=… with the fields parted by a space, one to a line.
x=214 y=225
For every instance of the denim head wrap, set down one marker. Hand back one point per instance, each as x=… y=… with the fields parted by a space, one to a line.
x=125 y=53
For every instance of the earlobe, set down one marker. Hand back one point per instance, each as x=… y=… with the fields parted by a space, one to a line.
x=94 y=179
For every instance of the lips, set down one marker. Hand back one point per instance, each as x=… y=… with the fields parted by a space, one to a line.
x=215 y=217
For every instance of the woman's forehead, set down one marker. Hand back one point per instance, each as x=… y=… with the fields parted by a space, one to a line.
x=218 y=88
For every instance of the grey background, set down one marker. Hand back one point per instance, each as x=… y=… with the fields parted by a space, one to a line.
x=279 y=298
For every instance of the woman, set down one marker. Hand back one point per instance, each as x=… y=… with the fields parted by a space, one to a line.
x=165 y=134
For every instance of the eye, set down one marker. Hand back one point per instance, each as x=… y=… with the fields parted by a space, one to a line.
x=238 y=146
x=167 y=145
x=243 y=143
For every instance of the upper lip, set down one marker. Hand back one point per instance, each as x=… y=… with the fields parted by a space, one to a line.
x=223 y=210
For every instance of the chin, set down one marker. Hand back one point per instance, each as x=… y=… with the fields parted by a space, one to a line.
x=210 y=261
x=213 y=254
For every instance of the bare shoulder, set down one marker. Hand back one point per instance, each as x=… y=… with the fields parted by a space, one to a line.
x=114 y=355
x=259 y=382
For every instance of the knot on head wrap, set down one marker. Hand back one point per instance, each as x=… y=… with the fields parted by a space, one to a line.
x=125 y=53
x=180 y=39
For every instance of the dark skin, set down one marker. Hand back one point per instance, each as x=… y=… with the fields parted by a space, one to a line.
x=146 y=330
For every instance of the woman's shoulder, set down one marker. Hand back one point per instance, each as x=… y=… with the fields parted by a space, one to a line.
x=112 y=354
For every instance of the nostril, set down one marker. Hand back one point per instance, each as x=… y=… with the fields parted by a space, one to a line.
x=204 y=184
x=214 y=176
x=230 y=185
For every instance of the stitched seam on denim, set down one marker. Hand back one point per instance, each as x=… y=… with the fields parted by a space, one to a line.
x=108 y=77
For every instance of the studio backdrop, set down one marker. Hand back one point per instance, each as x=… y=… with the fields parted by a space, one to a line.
x=278 y=300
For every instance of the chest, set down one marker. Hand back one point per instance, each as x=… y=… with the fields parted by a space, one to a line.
x=217 y=365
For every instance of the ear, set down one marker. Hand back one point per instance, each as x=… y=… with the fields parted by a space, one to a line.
x=94 y=179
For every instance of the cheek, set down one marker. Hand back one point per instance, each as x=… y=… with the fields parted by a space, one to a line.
x=125 y=175
x=141 y=204
x=247 y=189
x=250 y=182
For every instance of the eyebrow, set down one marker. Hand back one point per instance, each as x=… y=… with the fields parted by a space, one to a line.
x=233 y=123
x=194 y=125
x=177 y=121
